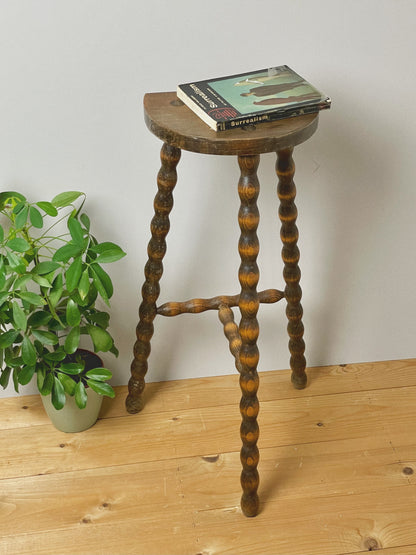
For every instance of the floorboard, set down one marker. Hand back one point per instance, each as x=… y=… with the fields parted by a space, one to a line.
x=337 y=469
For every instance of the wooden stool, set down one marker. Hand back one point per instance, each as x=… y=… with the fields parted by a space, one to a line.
x=179 y=128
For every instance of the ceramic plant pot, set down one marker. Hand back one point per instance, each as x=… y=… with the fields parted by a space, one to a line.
x=71 y=418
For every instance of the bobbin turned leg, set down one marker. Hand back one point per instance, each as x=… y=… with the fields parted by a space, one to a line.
x=248 y=247
x=160 y=224
x=286 y=190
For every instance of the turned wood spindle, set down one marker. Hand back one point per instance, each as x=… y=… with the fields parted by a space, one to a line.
x=248 y=247
x=166 y=181
x=286 y=190
x=196 y=306
x=231 y=332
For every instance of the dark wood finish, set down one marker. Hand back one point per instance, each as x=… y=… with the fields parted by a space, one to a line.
x=231 y=332
x=160 y=224
x=174 y=123
x=286 y=190
x=248 y=247
x=195 y=306
x=179 y=128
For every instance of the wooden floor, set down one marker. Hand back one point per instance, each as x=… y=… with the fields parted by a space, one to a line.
x=337 y=470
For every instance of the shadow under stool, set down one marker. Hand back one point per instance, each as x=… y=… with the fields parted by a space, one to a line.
x=180 y=129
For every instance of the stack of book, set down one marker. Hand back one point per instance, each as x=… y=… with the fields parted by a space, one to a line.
x=252 y=98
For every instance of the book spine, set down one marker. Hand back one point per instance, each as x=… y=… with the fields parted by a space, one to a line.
x=269 y=117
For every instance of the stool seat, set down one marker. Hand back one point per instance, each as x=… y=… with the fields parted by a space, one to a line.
x=179 y=128
x=173 y=122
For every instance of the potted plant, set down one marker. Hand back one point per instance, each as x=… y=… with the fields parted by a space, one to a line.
x=51 y=285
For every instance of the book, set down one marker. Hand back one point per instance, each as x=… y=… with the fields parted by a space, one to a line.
x=252 y=98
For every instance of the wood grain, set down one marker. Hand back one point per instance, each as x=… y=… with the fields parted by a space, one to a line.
x=177 y=395
x=226 y=316
x=248 y=275
x=286 y=190
x=338 y=470
x=174 y=123
x=196 y=306
x=312 y=470
x=163 y=203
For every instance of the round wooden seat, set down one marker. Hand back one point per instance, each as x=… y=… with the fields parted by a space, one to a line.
x=174 y=123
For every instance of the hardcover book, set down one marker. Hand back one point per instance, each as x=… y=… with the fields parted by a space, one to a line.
x=252 y=98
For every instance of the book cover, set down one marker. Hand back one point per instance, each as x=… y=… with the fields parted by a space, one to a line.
x=252 y=98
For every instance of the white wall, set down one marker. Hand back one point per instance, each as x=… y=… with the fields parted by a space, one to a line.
x=73 y=74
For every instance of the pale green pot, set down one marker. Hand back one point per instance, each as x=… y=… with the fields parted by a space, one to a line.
x=71 y=418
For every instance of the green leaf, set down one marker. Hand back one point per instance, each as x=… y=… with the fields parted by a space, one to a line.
x=63 y=254
x=1 y=234
x=101 y=339
x=99 y=374
x=80 y=395
x=36 y=218
x=8 y=338
x=73 y=274
x=68 y=383
x=104 y=279
x=76 y=231
x=28 y=352
x=15 y=376
x=72 y=368
x=21 y=218
x=19 y=206
x=39 y=318
x=26 y=374
x=48 y=208
x=9 y=282
x=55 y=356
x=58 y=394
x=65 y=199
x=102 y=319
x=10 y=198
x=107 y=252
x=72 y=340
x=40 y=377
x=45 y=267
x=73 y=315
x=58 y=282
x=86 y=221
x=56 y=291
x=18 y=244
x=101 y=388
x=99 y=285
x=45 y=337
x=19 y=317
x=5 y=376
x=55 y=297
x=16 y=263
x=31 y=298
x=56 y=325
x=22 y=281
x=84 y=284
x=10 y=358
x=47 y=385
x=3 y=296
x=40 y=349
x=42 y=281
